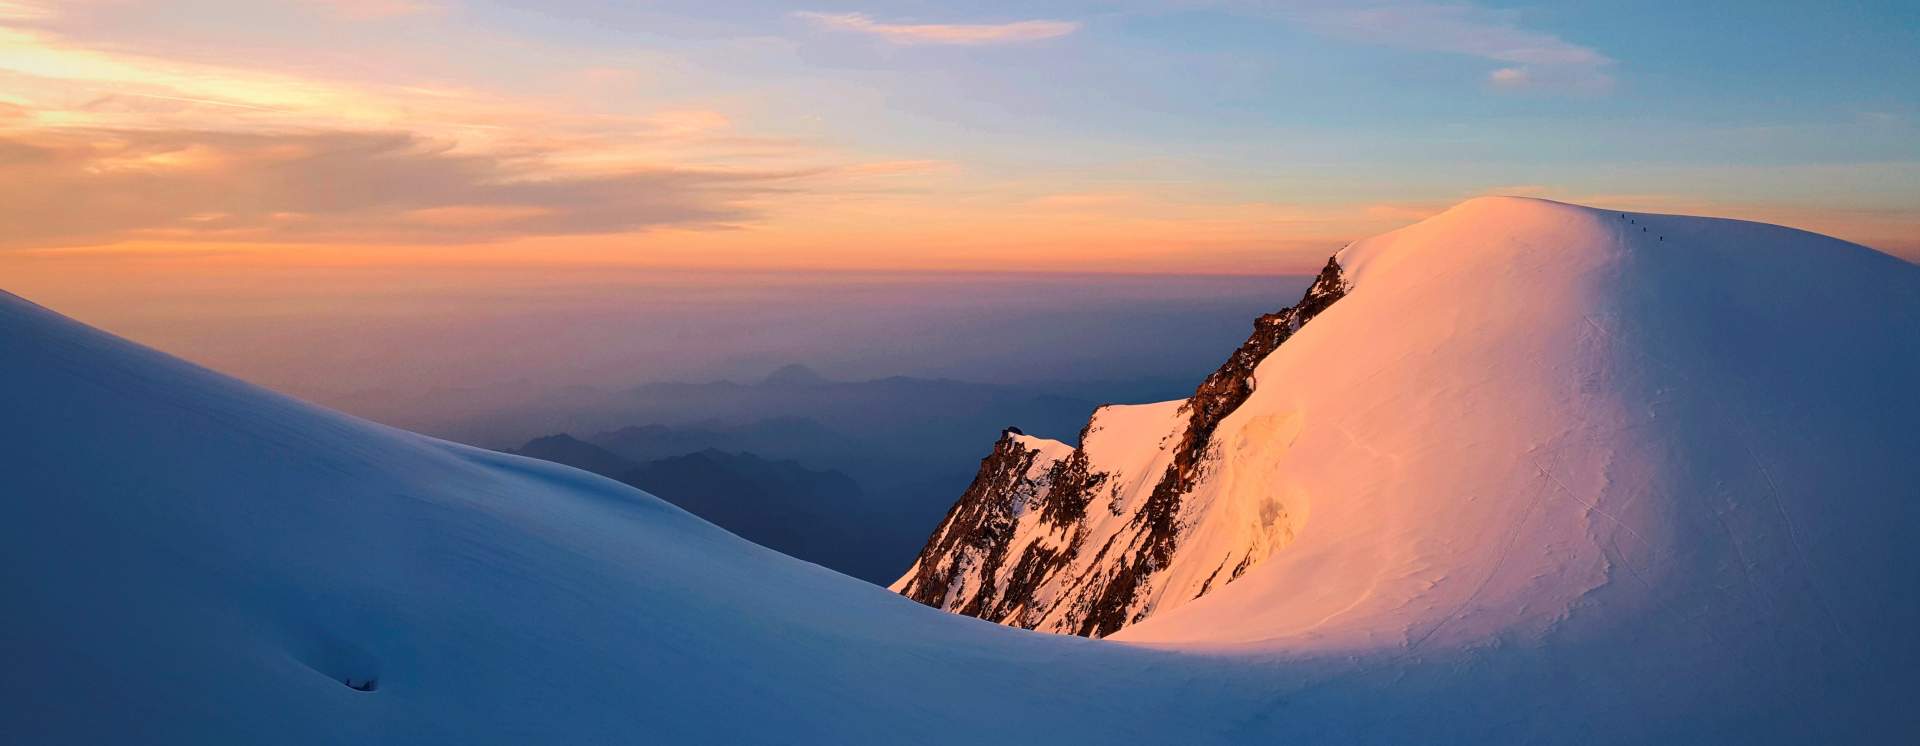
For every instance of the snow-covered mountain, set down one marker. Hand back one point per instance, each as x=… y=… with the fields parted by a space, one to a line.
x=1084 y=540
x=1542 y=474
x=1521 y=404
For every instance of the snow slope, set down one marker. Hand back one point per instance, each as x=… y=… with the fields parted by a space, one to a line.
x=1531 y=420
x=1551 y=479
x=1667 y=458
x=190 y=559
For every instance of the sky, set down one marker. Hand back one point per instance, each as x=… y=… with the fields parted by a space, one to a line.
x=1209 y=137
x=298 y=191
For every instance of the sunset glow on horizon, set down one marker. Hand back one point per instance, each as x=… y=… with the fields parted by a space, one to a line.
x=1209 y=138
x=1201 y=372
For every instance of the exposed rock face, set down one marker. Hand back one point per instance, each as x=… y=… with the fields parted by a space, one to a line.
x=1080 y=540
x=973 y=539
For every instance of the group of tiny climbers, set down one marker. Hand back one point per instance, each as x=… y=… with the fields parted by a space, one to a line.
x=1643 y=229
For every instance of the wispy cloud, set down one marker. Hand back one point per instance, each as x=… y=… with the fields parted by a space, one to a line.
x=1528 y=58
x=943 y=33
x=104 y=145
x=1511 y=77
x=19 y=11
x=368 y=10
x=79 y=187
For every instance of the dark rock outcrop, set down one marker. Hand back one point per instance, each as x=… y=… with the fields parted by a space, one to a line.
x=1051 y=584
x=977 y=530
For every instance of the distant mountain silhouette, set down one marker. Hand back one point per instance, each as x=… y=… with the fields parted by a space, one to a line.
x=579 y=454
x=819 y=515
x=812 y=514
x=794 y=375
x=908 y=444
x=799 y=438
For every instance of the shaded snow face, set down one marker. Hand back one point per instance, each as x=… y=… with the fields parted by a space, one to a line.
x=190 y=559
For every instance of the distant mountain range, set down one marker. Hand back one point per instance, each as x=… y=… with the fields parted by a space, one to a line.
x=820 y=515
x=579 y=454
x=905 y=446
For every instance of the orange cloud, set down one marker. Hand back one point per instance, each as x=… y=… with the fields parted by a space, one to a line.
x=16 y=11
x=104 y=143
x=100 y=186
x=1083 y=200
x=943 y=33
x=889 y=168
x=365 y=10
x=682 y=122
x=145 y=148
x=1510 y=77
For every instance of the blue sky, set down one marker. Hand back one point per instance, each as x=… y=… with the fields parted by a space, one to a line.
x=1217 y=136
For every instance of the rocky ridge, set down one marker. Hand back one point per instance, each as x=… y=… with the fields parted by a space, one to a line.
x=1021 y=547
